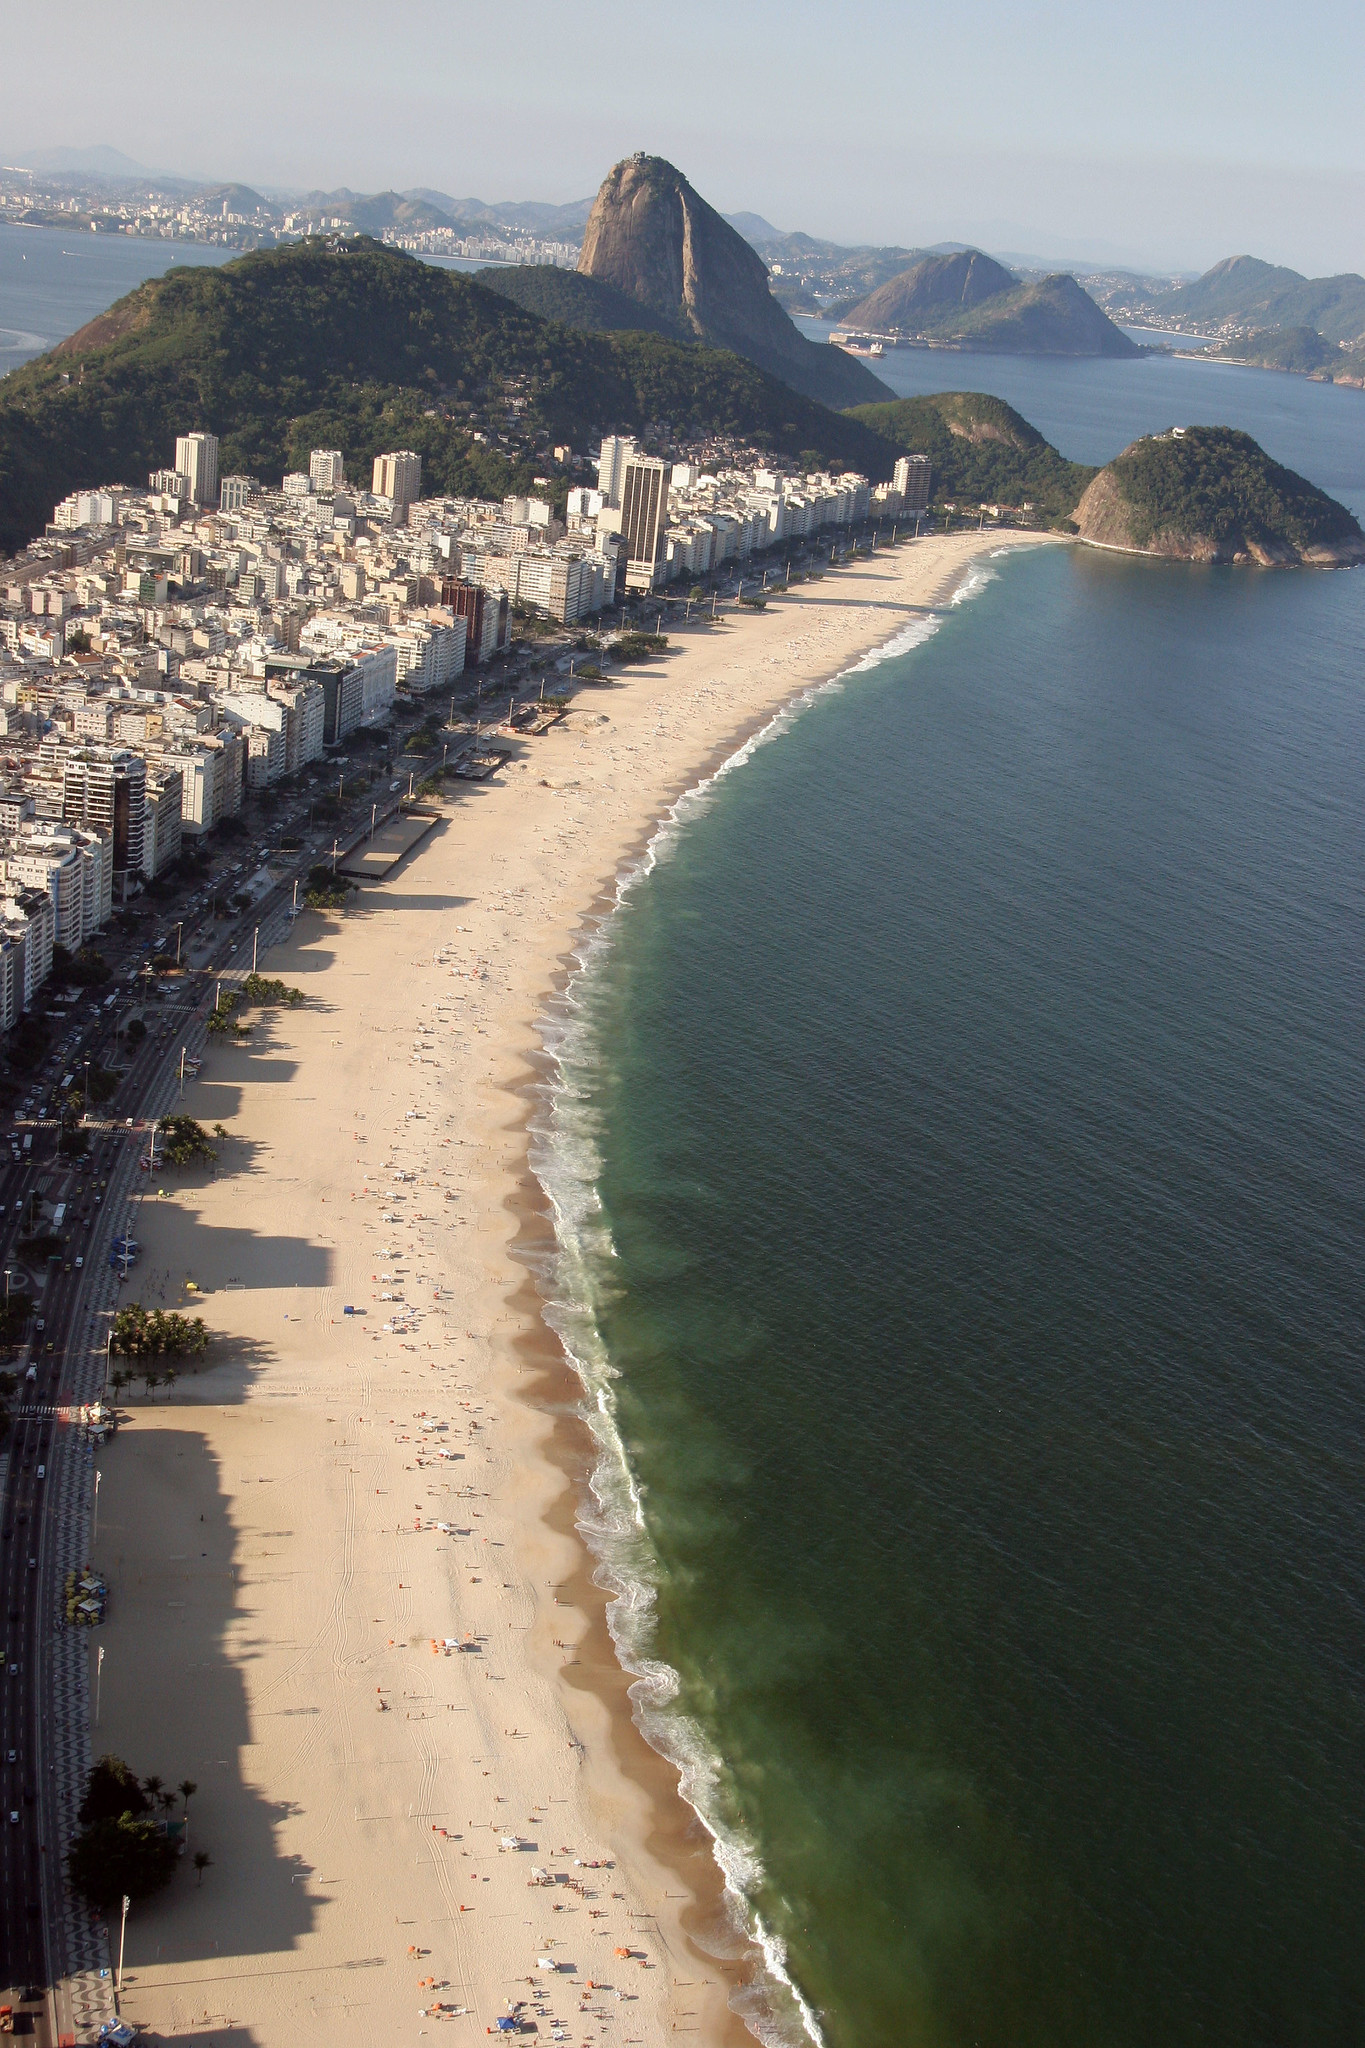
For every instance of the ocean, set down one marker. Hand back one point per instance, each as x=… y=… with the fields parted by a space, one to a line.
x=958 y=1155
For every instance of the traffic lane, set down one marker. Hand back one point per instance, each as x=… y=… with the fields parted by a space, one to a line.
x=24 y=1959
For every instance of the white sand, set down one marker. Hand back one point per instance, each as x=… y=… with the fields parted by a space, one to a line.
x=277 y=1581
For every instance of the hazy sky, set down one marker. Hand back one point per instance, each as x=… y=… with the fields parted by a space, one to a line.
x=1167 y=132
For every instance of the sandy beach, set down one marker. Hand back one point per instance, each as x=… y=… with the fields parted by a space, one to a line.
x=347 y=1596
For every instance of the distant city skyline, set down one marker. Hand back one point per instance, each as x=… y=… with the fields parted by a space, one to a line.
x=1164 y=137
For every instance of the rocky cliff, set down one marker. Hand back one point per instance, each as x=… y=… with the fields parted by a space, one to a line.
x=970 y=301
x=935 y=287
x=655 y=239
x=1211 y=494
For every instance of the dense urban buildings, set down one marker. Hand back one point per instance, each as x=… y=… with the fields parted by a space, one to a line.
x=165 y=652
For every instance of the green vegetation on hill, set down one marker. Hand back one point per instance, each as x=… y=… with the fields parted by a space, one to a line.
x=983 y=451
x=589 y=304
x=1299 y=349
x=1050 y=316
x=350 y=345
x=1282 y=348
x=1253 y=294
x=1213 y=493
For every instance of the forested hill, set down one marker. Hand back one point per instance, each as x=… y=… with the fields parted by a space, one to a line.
x=587 y=303
x=347 y=344
x=1253 y=294
x=1212 y=494
x=983 y=451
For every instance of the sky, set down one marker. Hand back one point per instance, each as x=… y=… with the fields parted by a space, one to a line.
x=1163 y=134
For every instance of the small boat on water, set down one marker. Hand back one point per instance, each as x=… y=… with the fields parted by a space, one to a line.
x=858 y=344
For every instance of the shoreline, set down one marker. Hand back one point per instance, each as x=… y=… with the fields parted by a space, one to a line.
x=553 y=843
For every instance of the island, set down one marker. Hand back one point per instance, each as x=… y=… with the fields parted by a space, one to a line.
x=1212 y=494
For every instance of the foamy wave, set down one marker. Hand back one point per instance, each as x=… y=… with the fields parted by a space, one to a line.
x=576 y=1284
x=975 y=580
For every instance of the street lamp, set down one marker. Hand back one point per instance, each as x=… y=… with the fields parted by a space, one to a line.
x=122 y=1936
x=179 y=928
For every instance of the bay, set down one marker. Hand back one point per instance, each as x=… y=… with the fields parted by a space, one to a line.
x=974 y=1094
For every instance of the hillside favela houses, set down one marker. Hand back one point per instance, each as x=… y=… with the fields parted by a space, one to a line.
x=165 y=651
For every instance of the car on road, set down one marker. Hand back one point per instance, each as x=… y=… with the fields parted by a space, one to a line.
x=80 y=1260
x=11 y=1756
x=14 y=1816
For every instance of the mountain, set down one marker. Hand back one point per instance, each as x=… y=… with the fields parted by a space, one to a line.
x=755 y=230
x=973 y=302
x=540 y=216
x=369 y=213
x=1243 y=291
x=983 y=451
x=96 y=160
x=655 y=239
x=237 y=198
x=1049 y=316
x=932 y=289
x=586 y=303
x=1211 y=494
x=350 y=345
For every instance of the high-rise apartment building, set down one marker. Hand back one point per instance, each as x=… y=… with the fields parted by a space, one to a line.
x=644 y=514
x=912 y=477
x=398 y=476
x=326 y=470
x=196 y=457
x=234 y=492
x=617 y=451
x=105 y=790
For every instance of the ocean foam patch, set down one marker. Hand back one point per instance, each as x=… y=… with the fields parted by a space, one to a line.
x=576 y=1282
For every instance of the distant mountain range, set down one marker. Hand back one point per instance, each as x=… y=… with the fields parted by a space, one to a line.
x=1253 y=294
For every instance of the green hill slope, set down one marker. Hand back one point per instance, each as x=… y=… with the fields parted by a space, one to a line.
x=1051 y=316
x=589 y=304
x=1244 y=290
x=983 y=451
x=1212 y=494
x=354 y=346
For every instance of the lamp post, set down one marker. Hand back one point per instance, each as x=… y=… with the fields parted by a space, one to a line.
x=255 y=942
x=95 y=1516
x=178 y=930
x=99 y=1674
x=373 y=810
x=122 y=1936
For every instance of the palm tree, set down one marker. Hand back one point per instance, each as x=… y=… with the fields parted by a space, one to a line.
x=152 y=1786
x=170 y=1376
x=202 y=1862
x=151 y=1380
x=187 y=1789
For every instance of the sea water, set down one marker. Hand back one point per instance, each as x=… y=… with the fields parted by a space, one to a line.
x=959 y=1161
